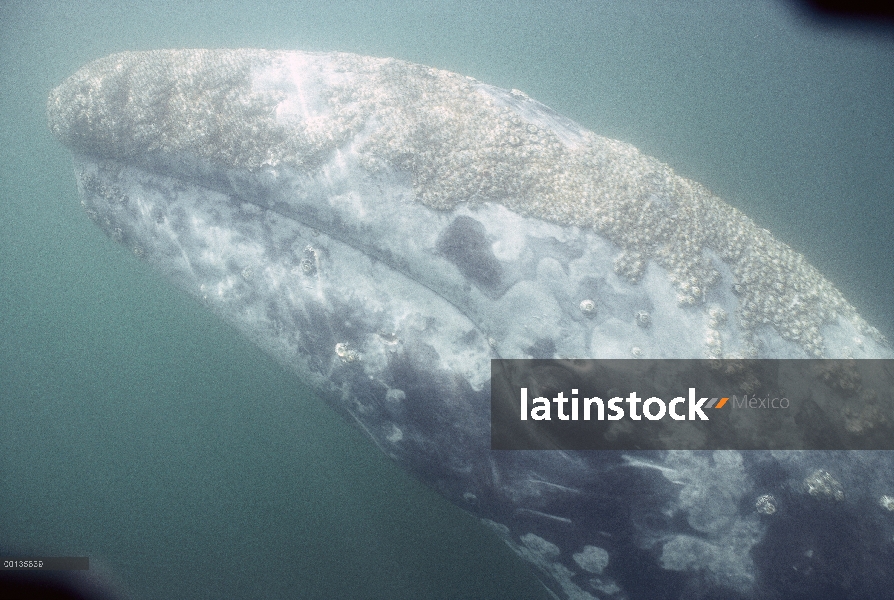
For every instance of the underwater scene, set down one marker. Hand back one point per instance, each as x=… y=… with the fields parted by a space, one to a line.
x=255 y=261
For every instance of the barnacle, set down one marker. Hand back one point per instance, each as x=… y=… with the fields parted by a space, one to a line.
x=588 y=307
x=643 y=318
x=345 y=353
x=766 y=505
x=821 y=484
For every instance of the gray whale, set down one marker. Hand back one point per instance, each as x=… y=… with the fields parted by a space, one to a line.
x=384 y=229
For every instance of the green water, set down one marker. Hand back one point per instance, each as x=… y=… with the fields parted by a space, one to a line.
x=137 y=429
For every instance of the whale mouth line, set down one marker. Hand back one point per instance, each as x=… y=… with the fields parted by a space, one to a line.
x=339 y=231
x=339 y=235
x=224 y=236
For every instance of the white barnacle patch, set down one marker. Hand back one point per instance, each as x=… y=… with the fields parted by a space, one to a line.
x=886 y=502
x=716 y=316
x=630 y=265
x=714 y=345
x=310 y=261
x=821 y=484
x=765 y=505
x=588 y=307
x=396 y=434
x=713 y=339
x=225 y=286
x=345 y=353
x=591 y=559
x=643 y=318
x=307 y=266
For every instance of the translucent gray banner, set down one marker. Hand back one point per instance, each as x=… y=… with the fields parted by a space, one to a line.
x=641 y=404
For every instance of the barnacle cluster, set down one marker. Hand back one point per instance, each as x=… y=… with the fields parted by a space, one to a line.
x=94 y=186
x=766 y=505
x=460 y=141
x=309 y=261
x=643 y=318
x=197 y=101
x=346 y=353
x=822 y=485
x=713 y=337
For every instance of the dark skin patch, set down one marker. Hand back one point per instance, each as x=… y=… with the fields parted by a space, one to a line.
x=464 y=243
